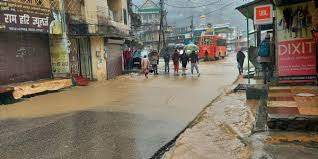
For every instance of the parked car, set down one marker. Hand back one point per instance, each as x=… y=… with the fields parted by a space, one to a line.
x=229 y=49
x=137 y=56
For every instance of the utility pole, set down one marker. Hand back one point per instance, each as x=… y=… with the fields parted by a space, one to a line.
x=161 y=30
x=164 y=27
x=192 y=28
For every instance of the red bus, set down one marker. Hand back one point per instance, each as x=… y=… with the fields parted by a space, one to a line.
x=212 y=47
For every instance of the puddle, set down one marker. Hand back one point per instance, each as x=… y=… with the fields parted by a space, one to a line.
x=305 y=95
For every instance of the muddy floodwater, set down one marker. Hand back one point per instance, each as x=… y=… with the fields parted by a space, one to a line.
x=129 y=117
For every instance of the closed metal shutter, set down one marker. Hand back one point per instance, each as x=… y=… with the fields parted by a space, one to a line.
x=24 y=57
x=114 y=60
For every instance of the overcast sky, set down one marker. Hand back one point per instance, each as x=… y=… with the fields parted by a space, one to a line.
x=221 y=14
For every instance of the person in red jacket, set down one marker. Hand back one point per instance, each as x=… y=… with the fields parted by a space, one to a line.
x=175 y=59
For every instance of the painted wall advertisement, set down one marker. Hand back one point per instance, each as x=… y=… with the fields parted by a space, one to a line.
x=22 y=17
x=296 y=45
x=60 y=55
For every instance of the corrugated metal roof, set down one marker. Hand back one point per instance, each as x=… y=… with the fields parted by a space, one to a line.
x=287 y=2
x=248 y=9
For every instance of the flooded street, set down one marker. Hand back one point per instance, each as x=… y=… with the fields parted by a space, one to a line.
x=129 y=117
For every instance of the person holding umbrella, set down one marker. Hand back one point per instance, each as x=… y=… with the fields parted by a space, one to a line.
x=189 y=49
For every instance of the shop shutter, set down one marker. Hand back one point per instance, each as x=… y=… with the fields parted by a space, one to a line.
x=114 y=60
x=24 y=57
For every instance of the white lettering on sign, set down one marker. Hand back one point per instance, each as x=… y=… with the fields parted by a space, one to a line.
x=263 y=13
x=24 y=19
x=296 y=48
x=39 y=22
x=10 y=18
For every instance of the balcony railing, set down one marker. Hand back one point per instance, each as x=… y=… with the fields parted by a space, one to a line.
x=41 y=3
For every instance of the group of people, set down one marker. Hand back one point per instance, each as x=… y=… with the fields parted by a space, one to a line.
x=150 y=64
x=264 y=58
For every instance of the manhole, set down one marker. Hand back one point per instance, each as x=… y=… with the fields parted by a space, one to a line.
x=305 y=95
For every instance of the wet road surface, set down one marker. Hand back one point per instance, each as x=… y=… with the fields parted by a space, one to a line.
x=129 y=117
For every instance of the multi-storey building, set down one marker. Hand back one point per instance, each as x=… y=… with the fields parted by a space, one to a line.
x=47 y=39
x=149 y=31
x=97 y=30
x=25 y=30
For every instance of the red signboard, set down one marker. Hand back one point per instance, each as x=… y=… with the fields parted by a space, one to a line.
x=297 y=57
x=263 y=14
x=315 y=35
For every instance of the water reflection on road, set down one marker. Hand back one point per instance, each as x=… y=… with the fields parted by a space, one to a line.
x=129 y=117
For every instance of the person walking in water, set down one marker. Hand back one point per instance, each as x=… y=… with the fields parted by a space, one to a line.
x=240 y=57
x=194 y=58
x=154 y=59
x=145 y=64
x=175 y=59
x=166 y=57
x=184 y=59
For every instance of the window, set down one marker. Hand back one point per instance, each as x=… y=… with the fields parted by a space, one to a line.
x=207 y=40
x=221 y=42
x=125 y=17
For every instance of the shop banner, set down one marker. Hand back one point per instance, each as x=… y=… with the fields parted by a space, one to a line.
x=297 y=57
x=59 y=47
x=23 y=17
x=296 y=45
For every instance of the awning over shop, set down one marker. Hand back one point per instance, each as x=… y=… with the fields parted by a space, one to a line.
x=223 y=29
x=248 y=9
x=287 y=2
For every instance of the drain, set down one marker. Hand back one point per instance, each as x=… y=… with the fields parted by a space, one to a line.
x=305 y=95
x=240 y=87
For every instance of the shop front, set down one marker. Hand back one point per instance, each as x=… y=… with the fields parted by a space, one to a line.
x=296 y=45
x=114 y=51
x=24 y=57
x=80 y=57
x=24 y=43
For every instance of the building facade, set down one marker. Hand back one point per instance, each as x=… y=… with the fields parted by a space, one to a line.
x=47 y=39
x=149 y=31
x=25 y=31
x=293 y=36
x=99 y=23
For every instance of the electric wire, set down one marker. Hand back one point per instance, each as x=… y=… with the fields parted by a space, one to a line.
x=199 y=6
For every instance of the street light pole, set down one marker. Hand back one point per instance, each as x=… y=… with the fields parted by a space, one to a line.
x=192 y=27
x=248 y=56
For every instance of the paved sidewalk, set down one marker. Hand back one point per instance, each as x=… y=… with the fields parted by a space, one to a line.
x=226 y=130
